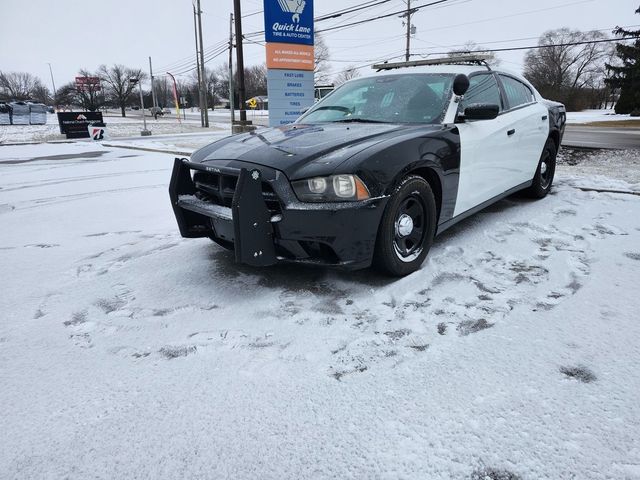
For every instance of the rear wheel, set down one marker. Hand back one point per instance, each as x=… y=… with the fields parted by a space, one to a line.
x=407 y=228
x=543 y=179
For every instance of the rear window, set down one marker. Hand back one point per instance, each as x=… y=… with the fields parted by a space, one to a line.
x=517 y=92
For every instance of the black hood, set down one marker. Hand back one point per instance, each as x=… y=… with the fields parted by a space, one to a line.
x=301 y=150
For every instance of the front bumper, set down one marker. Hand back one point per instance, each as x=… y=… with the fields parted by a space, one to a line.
x=261 y=219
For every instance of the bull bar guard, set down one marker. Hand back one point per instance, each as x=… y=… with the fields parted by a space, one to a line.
x=248 y=220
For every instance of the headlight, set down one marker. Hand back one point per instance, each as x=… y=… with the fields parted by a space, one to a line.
x=336 y=188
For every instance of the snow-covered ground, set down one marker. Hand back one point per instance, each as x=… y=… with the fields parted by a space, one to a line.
x=129 y=352
x=588 y=116
x=117 y=126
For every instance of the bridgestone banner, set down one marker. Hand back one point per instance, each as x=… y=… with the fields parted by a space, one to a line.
x=74 y=124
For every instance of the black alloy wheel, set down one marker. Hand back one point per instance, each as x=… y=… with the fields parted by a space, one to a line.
x=543 y=178
x=407 y=228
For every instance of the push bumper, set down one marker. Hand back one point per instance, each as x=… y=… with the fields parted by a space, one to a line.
x=336 y=234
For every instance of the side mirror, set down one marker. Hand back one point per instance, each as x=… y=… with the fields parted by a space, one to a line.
x=460 y=84
x=481 y=111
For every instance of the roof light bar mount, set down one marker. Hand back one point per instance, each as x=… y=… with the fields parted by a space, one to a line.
x=471 y=59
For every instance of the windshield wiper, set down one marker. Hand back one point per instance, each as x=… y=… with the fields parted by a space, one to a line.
x=334 y=107
x=358 y=120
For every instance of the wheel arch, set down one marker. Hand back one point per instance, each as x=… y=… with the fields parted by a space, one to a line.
x=555 y=136
x=433 y=179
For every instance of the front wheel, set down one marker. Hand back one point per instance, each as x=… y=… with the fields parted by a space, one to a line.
x=543 y=178
x=407 y=228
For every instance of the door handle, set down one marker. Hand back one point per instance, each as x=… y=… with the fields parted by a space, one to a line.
x=511 y=132
x=544 y=117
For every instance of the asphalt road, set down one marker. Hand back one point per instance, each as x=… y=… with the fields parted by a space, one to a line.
x=601 y=137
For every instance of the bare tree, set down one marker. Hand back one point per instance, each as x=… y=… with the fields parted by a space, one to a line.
x=321 y=60
x=222 y=85
x=118 y=88
x=473 y=47
x=345 y=75
x=164 y=92
x=19 y=86
x=563 y=68
x=41 y=94
x=67 y=96
x=216 y=83
x=255 y=80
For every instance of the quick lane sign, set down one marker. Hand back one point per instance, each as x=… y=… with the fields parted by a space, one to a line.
x=288 y=21
x=290 y=92
x=290 y=58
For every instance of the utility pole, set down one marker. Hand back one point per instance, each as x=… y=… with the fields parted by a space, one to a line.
x=195 y=33
x=53 y=83
x=231 y=105
x=410 y=29
x=240 y=61
x=153 y=88
x=202 y=69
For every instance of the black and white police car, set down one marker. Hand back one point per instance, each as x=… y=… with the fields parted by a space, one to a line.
x=375 y=170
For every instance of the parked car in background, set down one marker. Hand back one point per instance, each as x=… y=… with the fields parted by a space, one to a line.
x=374 y=171
x=321 y=91
x=156 y=112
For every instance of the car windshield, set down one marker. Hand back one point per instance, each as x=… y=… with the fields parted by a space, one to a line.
x=411 y=98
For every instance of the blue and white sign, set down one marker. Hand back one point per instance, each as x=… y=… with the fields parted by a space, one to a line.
x=290 y=92
x=288 y=21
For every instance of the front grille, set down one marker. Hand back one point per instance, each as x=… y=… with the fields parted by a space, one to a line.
x=219 y=188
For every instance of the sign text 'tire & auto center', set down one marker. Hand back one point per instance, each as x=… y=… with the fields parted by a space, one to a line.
x=289 y=36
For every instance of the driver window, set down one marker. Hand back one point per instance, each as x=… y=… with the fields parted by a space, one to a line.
x=482 y=89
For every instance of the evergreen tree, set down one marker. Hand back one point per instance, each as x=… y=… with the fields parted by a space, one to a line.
x=626 y=76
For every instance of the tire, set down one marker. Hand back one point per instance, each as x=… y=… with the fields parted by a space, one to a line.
x=407 y=229
x=543 y=178
x=224 y=244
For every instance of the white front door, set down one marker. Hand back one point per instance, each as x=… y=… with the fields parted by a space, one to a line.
x=485 y=161
x=486 y=148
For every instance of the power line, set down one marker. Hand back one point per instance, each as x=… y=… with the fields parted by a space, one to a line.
x=502 y=17
x=392 y=14
x=189 y=60
x=535 y=47
x=210 y=56
x=337 y=13
x=352 y=9
x=481 y=44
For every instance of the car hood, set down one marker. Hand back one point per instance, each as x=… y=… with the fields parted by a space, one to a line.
x=301 y=150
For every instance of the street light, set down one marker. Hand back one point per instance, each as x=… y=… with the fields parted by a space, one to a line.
x=133 y=81
x=54 y=85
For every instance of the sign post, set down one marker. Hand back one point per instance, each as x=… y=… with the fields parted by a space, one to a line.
x=290 y=58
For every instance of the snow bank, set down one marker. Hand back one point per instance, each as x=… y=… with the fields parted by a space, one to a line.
x=587 y=116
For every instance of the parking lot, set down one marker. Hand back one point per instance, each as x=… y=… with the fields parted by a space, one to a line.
x=126 y=351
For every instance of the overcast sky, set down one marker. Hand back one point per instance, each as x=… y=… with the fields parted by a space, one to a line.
x=74 y=34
